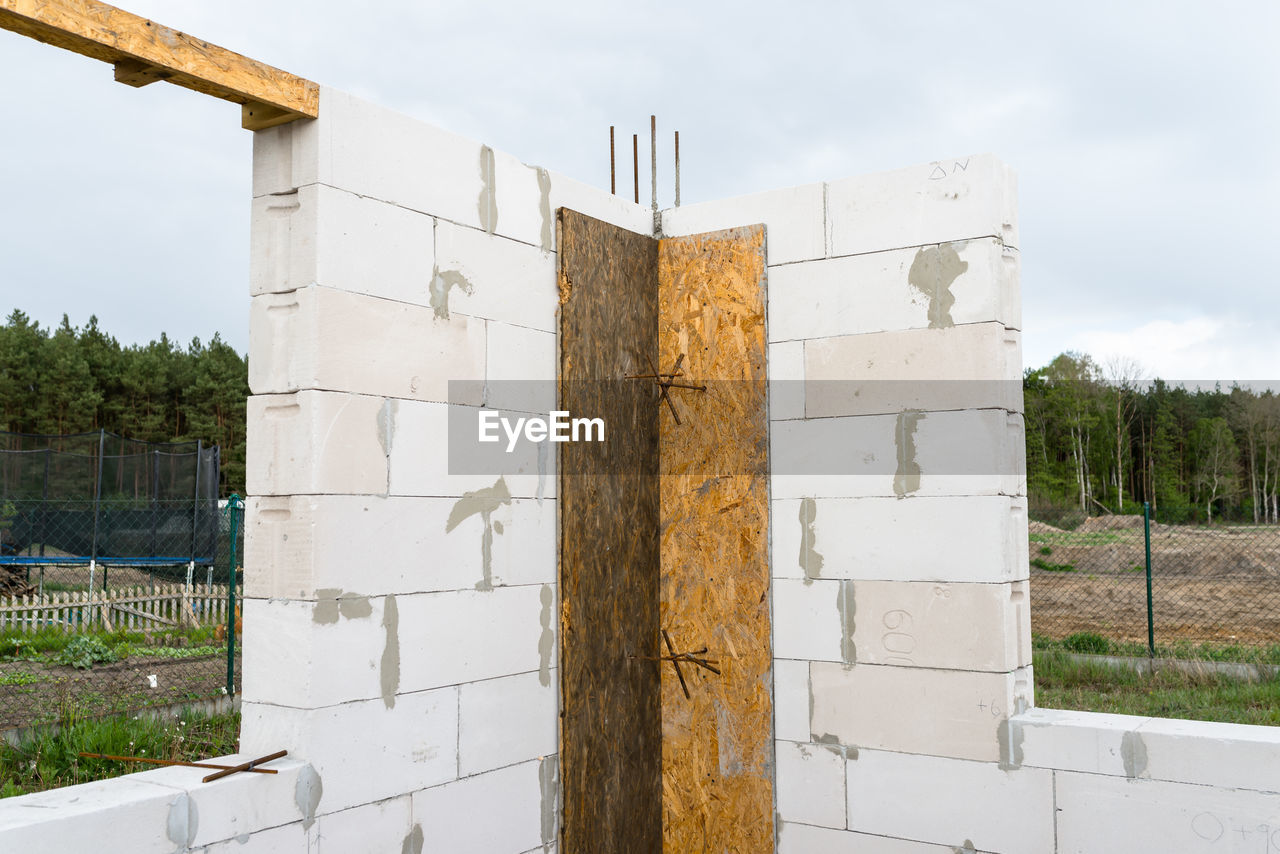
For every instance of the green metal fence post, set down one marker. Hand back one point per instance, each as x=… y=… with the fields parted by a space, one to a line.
x=1151 y=626
x=234 y=507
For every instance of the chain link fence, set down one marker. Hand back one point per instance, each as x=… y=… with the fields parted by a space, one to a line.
x=116 y=633
x=1129 y=585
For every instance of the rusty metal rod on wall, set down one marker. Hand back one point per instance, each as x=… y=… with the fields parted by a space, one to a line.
x=613 y=172
x=251 y=765
x=635 y=163
x=653 y=159
x=677 y=169
x=149 y=761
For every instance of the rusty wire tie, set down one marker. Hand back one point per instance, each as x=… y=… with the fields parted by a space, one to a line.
x=666 y=382
x=676 y=657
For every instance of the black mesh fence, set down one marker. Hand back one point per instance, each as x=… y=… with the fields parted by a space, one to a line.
x=1214 y=587
x=115 y=571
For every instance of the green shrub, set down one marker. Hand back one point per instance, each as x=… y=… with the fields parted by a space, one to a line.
x=1046 y=550
x=84 y=651
x=1041 y=563
x=1087 y=642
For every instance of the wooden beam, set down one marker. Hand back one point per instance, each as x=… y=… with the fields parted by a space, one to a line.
x=143 y=51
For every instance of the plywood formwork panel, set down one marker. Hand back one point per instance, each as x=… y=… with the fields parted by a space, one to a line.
x=717 y=751
x=609 y=560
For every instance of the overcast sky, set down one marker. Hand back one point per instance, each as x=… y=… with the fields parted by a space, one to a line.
x=1144 y=136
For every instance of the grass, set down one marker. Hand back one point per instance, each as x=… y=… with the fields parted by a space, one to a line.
x=1041 y=563
x=1065 y=682
x=51 y=645
x=1086 y=538
x=49 y=759
x=1095 y=644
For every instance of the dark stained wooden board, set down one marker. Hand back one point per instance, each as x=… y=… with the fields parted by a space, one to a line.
x=610 y=729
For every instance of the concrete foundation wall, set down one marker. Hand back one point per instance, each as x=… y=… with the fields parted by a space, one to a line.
x=400 y=620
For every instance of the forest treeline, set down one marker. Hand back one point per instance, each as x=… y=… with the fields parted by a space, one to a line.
x=74 y=380
x=1103 y=439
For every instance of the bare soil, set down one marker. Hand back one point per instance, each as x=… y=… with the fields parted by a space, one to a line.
x=1209 y=584
x=106 y=689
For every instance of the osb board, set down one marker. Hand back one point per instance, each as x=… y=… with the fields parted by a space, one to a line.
x=610 y=729
x=717 y=745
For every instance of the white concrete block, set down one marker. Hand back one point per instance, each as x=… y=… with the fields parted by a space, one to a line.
x=373 y=151
x=283 y=241
x=287 y=839
x=963 y=199
x=295 y=545
x=321 y=338
x=449 y=638
x=1099 y=815
x=909 y=624
x=235 y=806
x=384 y=826
x=810 y=784
x=522 y=202
x=285 y=157
x=521 y=369
x=791 y=699
x=321 y=235
x=495 y=278
x=976 y=366
x=600 y=204
x=362 y=752
x=796 y=838
x=793 y=220
x=371 y=247
x=316 y=442
x=322 y=653
x=486 y=814
x=945 y=539
x=953 y=713
x=786 y=380
x=949 y=626
x=808 y=619
x=1076 y=741
x=951 y=802
x=81 y=818
x=426 y=460
x=506 y=720
x=973 y=281
x=972 y=452
x=1235 y=756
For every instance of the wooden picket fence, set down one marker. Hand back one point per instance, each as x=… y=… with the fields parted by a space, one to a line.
x=138 y=608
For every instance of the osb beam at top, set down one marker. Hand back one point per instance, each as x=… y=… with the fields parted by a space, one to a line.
x=143 y=51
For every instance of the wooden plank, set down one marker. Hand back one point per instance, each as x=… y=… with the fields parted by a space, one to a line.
x=136 y=73
x=136 y=613
x=611 y=734
x=138 y=48
x=717 y=747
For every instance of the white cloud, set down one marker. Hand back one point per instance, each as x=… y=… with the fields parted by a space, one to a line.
x=1199 y=348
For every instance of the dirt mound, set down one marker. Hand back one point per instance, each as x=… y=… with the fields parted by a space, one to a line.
x=1037 y=527
x=1109 y=523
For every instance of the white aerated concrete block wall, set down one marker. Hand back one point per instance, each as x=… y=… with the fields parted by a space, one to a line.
x=899 y=511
